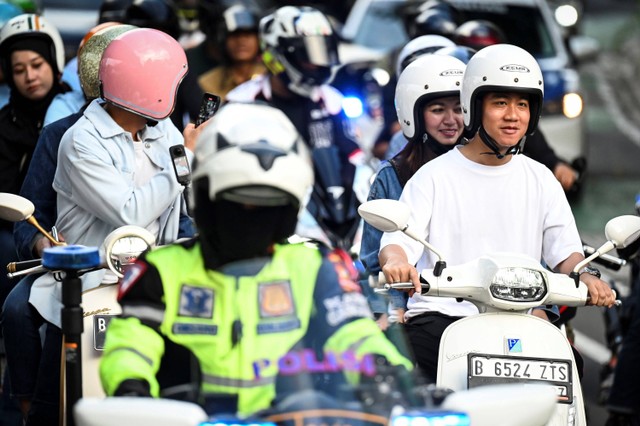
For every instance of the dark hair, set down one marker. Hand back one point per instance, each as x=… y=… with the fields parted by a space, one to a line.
x=413 y=156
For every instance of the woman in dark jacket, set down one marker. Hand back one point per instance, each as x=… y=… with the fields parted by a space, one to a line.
x=32 y=59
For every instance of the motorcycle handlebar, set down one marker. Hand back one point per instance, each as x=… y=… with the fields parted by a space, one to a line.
x=607 y=260
x=23 y=265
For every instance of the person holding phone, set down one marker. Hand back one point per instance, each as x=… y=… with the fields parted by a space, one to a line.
x=20 y=321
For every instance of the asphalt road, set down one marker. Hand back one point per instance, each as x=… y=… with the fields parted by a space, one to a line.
x=612 y=101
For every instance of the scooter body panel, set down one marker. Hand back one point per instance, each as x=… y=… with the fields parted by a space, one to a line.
x=515 y=348
x=100 y=305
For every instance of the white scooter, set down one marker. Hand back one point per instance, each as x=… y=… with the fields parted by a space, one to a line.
x=99 y=304
x=503 y=344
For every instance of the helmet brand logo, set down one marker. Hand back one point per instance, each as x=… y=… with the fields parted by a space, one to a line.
x=452 y=72
x=514 y=68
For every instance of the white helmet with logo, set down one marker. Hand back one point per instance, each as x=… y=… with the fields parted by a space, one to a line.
x=419 y=46
x=500 y=68
x=427 y=78
x=251 y=153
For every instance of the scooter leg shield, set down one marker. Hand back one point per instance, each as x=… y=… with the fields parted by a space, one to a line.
x=499 y=348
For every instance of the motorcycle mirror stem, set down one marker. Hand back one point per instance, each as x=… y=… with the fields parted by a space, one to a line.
x=15 y=208
x=620 y=231
x=392 y=215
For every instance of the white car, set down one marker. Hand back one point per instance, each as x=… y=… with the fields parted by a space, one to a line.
x=529 y=24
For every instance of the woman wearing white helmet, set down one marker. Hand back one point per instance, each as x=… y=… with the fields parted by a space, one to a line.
x=480 y=197
x=428 y=108
x=384 y=148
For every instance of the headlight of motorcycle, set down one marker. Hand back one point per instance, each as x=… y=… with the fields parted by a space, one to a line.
x=433 y=418
x=518 y=284
x=571 y=106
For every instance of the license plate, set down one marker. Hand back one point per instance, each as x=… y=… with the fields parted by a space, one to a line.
x=484 y=369
x=100 y=323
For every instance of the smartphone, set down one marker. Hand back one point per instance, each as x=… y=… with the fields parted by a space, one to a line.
x=180 y=164
x=208 y=107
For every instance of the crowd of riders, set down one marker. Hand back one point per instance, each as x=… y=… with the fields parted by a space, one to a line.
x=87 y=140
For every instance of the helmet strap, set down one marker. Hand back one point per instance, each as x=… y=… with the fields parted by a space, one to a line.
x=493 y=146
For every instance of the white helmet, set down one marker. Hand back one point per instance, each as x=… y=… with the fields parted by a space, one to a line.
x=500 y=67
x=427 y=78
x=252 y=153
x=294 y=36
x=30 y=25
x=420 y=46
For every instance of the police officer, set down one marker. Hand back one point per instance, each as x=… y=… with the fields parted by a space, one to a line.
x=238 y=297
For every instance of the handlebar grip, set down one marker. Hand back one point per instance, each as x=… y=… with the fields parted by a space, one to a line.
x=618 y=302
x=607 y=260
x=14 y=267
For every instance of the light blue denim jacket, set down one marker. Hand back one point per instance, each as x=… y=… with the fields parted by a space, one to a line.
x=96 y=193
x=385 y=185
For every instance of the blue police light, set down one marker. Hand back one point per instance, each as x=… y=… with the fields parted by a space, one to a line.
x=236 y=422
x=352 y=106
x=431 y=418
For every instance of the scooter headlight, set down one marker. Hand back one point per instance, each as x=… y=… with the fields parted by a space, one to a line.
x=433 y=418
x=518 y=284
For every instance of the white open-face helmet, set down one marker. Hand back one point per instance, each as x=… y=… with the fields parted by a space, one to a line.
x=251 y=153
x=500 y=68
x=29 y=25
x=299 y=44
x=427 y=78
x=419 y=46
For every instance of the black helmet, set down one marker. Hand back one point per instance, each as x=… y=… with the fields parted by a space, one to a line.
x=156 y=14
x=113 y=10
x=209 y=15
x=479 y=33
x=433 y=21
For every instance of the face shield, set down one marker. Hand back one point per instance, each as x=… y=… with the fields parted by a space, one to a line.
x=312 y=56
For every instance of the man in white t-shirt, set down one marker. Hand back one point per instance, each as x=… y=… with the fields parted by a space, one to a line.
x=481 y=197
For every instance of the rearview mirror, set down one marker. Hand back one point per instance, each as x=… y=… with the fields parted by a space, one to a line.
x=620 y=231
x=623 y=230
x=15 y=208
x=124 y=245
x=385 y=215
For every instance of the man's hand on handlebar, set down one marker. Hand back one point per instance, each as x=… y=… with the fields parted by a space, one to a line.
x=599 y=291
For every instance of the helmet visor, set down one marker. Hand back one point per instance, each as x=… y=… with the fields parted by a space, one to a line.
x=318 y=50
x=240 y=20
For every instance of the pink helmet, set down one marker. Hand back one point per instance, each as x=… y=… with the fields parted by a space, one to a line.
x=141 y=70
